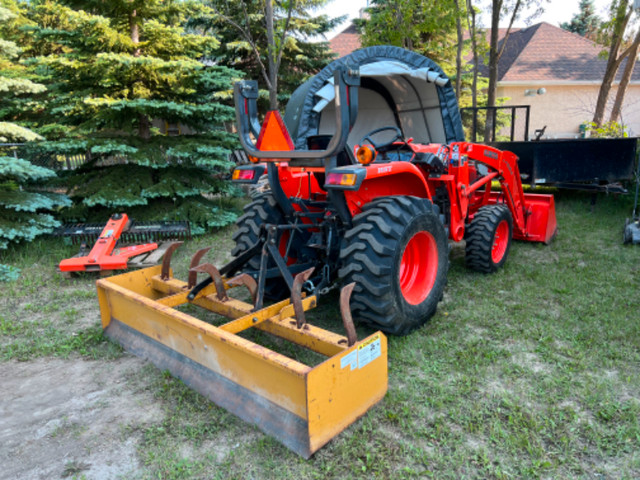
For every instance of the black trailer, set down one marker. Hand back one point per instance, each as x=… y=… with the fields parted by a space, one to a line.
x=598 y=164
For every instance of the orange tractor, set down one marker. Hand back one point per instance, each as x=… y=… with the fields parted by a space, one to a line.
x=370 y=177
x=377 y=202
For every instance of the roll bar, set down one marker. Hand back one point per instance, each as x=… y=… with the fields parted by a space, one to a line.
x=245 y=92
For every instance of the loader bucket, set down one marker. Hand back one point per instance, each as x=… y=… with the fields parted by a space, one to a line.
x=540 y=217
x=541 y=222
x=302 y=406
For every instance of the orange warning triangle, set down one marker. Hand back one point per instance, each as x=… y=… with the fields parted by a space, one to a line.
x=274 y=134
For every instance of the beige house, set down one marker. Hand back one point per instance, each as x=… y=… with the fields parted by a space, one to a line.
x=557 y=73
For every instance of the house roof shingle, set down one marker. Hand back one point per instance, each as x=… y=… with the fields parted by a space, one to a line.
x=544 y=52
x=346 y=41
x=540 y=53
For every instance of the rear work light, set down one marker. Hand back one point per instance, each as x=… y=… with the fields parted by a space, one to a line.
x=366 y=154
x=345 y=179
x=243 y=174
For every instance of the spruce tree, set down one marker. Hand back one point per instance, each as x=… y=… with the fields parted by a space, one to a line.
x=585 y=22
x=122 y=76
x=24 y=211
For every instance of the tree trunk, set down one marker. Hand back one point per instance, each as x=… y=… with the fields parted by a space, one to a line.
x=459 y=51
x=271 y=55
x=471 y=19
x=494 y=57
x=144 y=125
x=626 y=78
x=603 y=94
x=613 y=62
x=135 y=32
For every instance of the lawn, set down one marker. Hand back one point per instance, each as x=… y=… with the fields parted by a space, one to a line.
x=533 y=372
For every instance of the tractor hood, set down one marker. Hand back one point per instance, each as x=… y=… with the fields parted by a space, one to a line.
x=398 y=87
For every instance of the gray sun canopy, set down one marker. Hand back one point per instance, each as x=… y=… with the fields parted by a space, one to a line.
x=398 y=88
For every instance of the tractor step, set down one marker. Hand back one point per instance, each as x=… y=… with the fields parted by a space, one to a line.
x=302 y=406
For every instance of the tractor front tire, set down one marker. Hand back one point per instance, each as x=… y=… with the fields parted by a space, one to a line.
x=488 y=238
x=397 y=253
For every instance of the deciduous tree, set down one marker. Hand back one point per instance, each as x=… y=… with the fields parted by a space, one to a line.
x=511 y=10
x=613 y=35
x=273 y=42
x=426 y=27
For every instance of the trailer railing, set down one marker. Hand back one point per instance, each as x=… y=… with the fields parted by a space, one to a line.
x=506 y=118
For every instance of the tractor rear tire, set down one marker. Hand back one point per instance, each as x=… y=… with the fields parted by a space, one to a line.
x=488 y=238
x=397 y=253
x=262 y=210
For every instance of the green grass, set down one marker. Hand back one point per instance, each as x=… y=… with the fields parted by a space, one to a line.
x=533 y=372
x=30 y=340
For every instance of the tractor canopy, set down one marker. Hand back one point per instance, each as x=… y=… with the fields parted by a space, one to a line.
x=398 y=88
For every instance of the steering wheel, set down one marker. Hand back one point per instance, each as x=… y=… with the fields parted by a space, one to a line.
x=382 y=146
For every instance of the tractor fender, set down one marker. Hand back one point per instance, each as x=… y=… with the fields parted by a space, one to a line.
x=387 y=179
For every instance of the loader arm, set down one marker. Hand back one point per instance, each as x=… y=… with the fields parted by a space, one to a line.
x=505 y=165
x=533 y=215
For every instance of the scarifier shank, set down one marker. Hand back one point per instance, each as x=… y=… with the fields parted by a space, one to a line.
x=302 y=406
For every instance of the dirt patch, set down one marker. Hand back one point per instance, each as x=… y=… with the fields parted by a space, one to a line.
x=531 y=361
x=63 y=418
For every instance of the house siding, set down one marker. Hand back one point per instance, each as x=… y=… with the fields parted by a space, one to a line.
x=564 y=107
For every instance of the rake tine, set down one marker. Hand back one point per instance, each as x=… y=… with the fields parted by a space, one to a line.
x=249 y=282
x=213 y=272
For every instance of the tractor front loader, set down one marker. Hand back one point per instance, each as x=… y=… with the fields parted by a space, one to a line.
x=370 y=178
